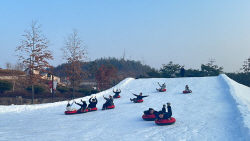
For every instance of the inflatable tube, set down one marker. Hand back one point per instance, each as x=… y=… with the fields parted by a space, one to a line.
x=164 y=90
x=93 y=109
x=117 y=96
x=185 y=92
x=111 y=107
x=70 y=112
x=149 y=117
x=138 y=101
x=75 y=112
x=165 y=121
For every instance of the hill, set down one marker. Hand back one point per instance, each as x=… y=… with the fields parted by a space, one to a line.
x=218 y=109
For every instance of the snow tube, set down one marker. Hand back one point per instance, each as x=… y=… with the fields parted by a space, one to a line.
x=138 y=101
x=70 y=112
x=111 y=107
x=185 y=92
x=75 y=112
x=149 y=117
x=117 y=96
x=93 y=109
x=165 y=121
x=164 y=90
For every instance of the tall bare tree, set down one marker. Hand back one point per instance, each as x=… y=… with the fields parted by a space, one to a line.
x=34 y=53
x=246 y=66
x=74 y=52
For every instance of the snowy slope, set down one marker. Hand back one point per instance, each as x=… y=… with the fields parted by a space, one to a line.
x=218 y=109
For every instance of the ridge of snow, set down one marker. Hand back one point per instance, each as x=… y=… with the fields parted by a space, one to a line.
x=242 y=101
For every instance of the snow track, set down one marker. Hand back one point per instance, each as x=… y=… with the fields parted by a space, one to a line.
x=214 y=111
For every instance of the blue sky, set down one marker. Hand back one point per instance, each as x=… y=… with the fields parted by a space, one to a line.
x=155 y=32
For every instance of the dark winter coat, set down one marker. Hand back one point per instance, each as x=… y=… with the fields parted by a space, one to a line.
x=83 y=105
x=109 y=101
x=117 y=93
x=92 y=104
x=139 y=97
x=163 y=109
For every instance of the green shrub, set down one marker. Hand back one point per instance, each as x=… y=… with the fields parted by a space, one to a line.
x=85 y=91
x=5 y=86
x=94 y=91
x=62 y=89
x=37 y=89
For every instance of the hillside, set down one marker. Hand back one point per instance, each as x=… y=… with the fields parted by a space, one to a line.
x=218 y=109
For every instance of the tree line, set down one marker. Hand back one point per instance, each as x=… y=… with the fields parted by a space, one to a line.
x=106 y=72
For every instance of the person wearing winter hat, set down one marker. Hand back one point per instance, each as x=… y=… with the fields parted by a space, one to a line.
x=92 y=103
x=83 y=106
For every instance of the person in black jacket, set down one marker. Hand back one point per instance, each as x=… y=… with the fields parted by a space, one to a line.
x=116 y=92
x=151 y=111
x=92 y=103
x=109 y=102
x=83 y=106
x=163 y=108
x=166 y=115
x=138 y=97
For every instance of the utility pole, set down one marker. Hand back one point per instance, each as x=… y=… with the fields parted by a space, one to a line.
x=32 y=81
x=52 y=85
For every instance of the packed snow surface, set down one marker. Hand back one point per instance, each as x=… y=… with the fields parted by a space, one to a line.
x=216 y=110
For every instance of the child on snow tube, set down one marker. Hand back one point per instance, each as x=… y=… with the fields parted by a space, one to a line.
x=68 y=107
x=163 y=86
x=116 y=93
x=187 y=90
x=166 y=115
x=138 y=97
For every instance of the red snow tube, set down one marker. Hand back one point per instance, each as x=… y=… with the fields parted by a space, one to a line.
x=164 y=90
x=75 y=112
x=117 y=96
x=138 y=101
x=165 y=121
x=149 y=117
x=70 y=112
x=111 y=107
x=93 y=109
x=186 y=92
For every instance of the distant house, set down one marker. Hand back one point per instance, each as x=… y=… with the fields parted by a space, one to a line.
x=47 y=76
x=28 y=71
x=44 y=75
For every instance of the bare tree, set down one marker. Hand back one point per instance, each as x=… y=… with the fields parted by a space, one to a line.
x=8 y=65
x=74 y=52
x=246 y=66
x=34 y=52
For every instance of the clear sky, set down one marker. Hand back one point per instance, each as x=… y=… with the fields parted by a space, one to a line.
x=152 y=31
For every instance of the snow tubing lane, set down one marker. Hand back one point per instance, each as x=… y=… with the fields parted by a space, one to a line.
x=138 y=101
x=164 y=90
x=165 y=121
x=185 y=92
x=117 y=96
x=74 y=112
x=149 y=117
x=111 y=107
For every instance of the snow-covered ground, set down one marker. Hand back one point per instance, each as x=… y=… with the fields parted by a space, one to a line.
x=217 y=110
